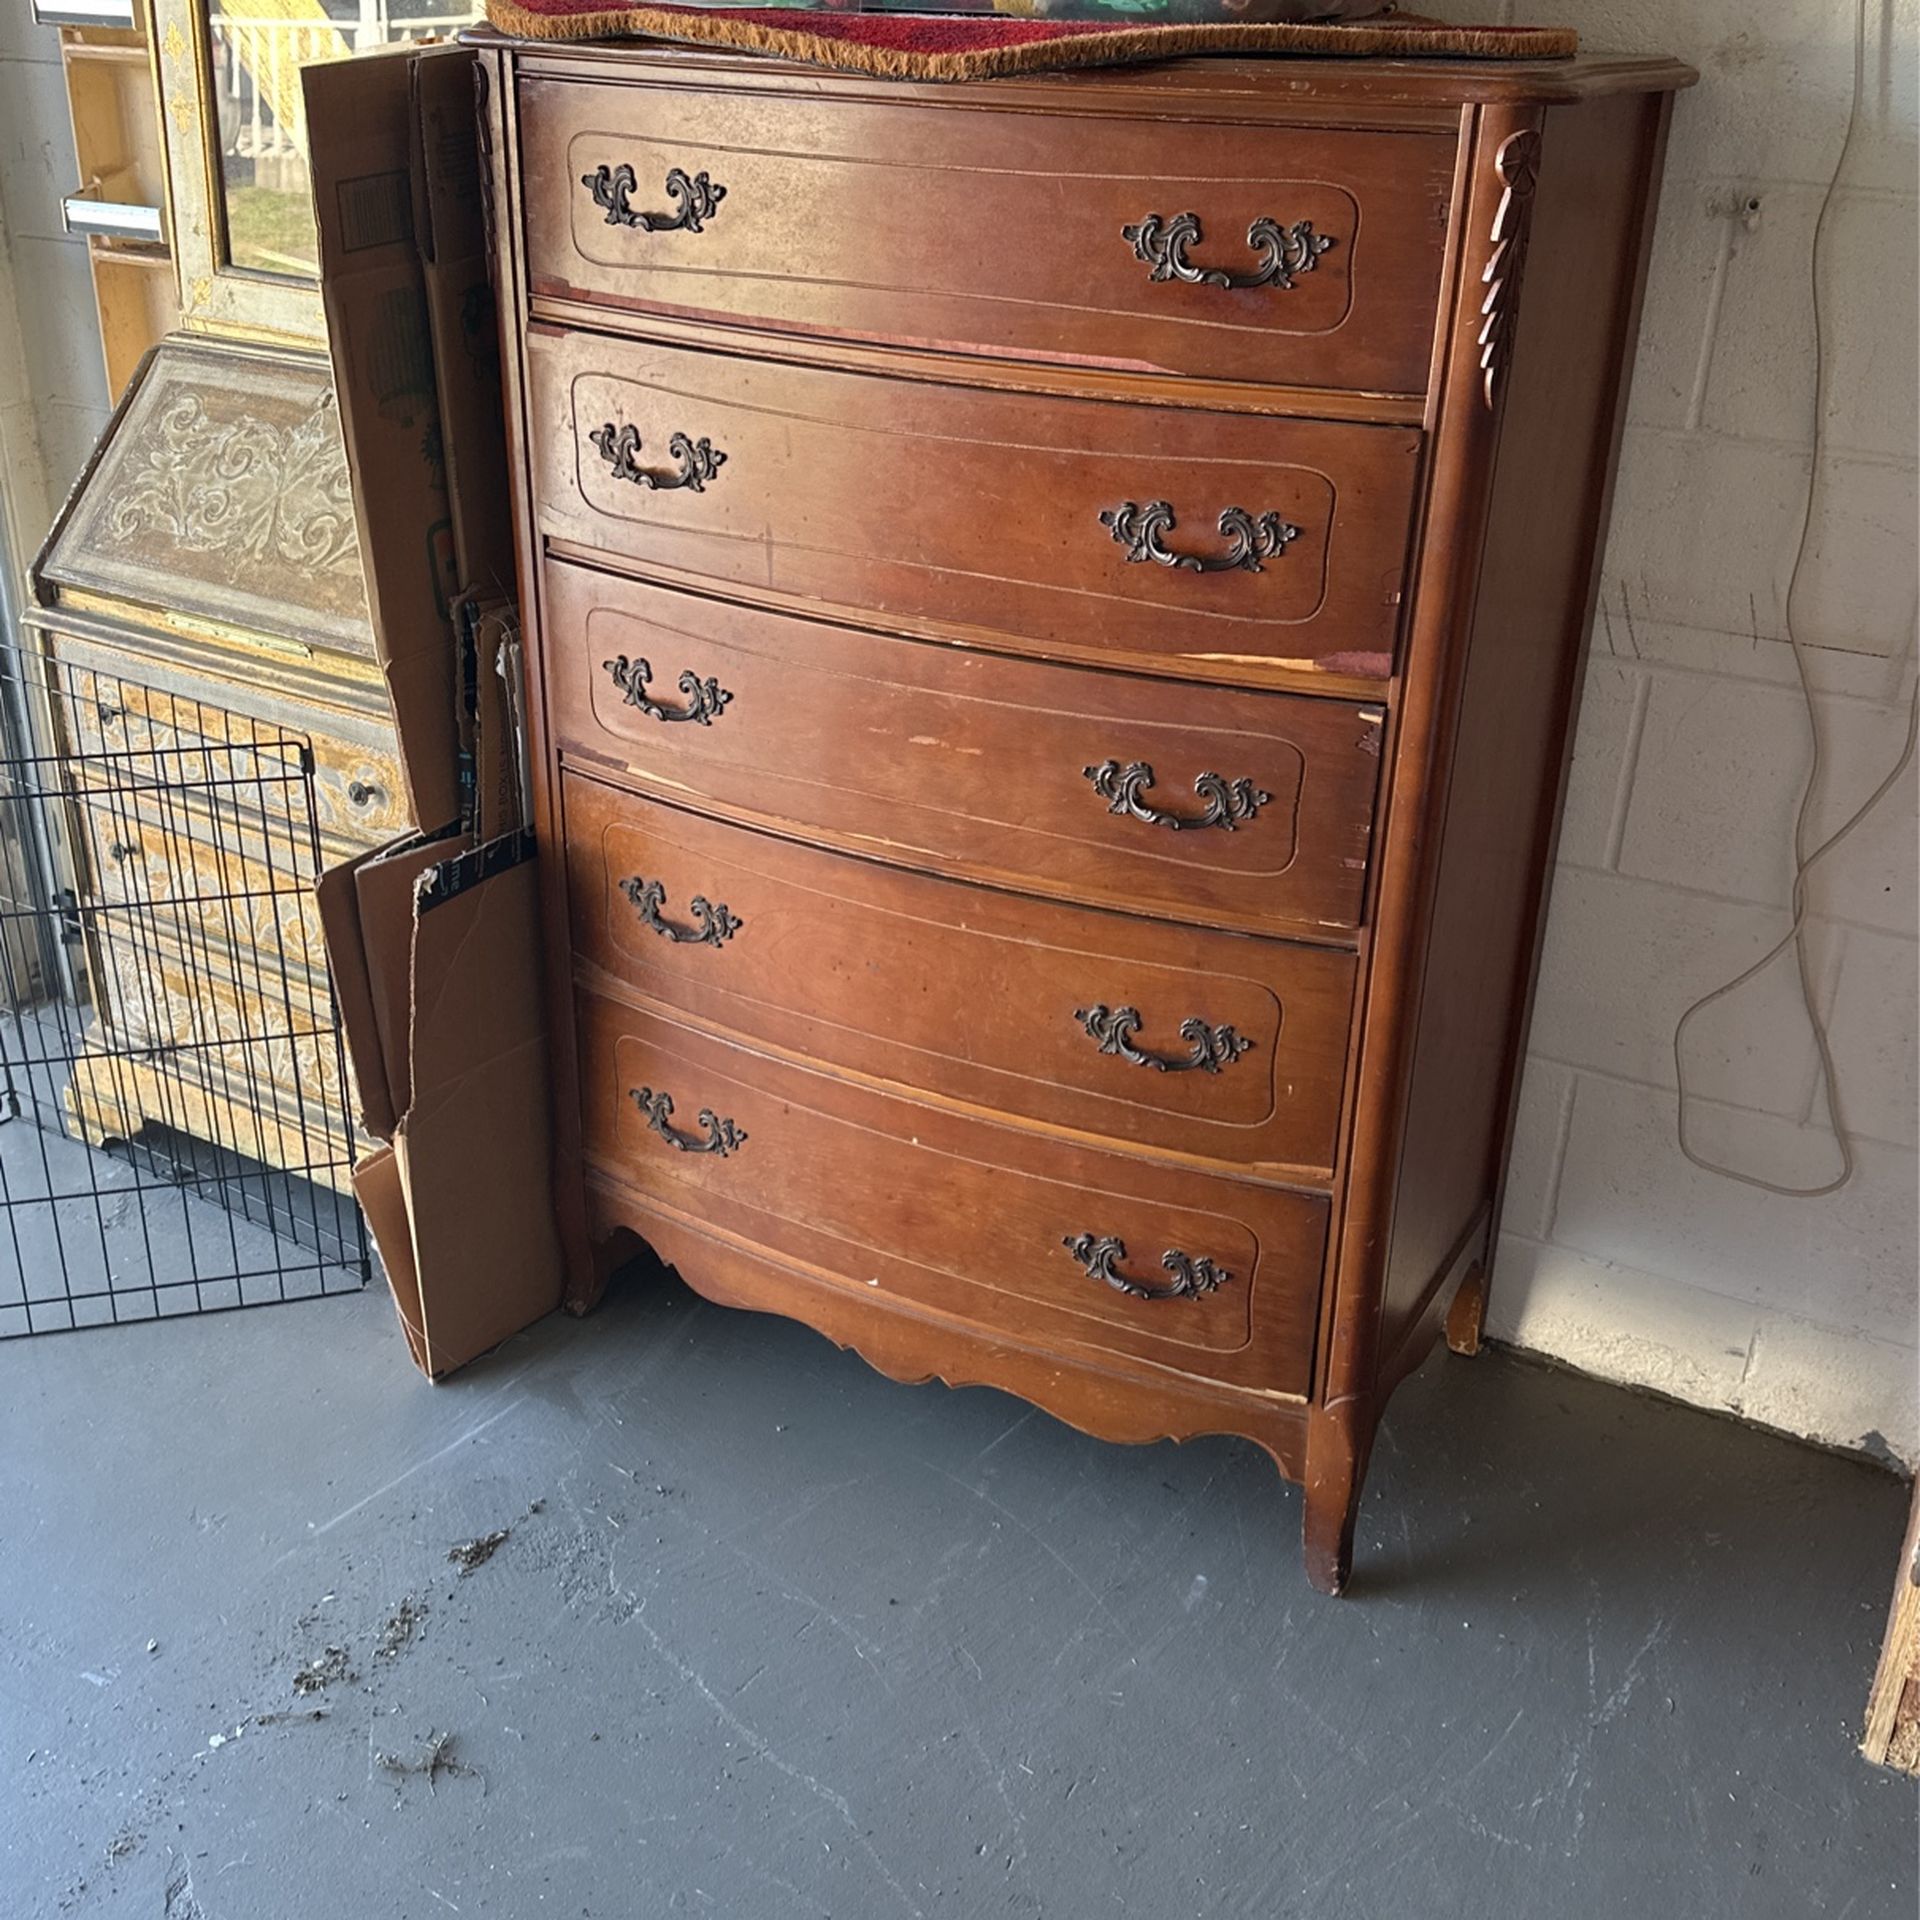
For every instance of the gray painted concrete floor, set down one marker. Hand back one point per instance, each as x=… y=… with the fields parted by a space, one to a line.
x=773 y=1637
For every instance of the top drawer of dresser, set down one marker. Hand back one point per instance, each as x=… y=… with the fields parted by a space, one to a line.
x=1051 y=237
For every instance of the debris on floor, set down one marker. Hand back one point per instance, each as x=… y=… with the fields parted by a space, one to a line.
x=326 y=1668
x=470 y=1555
x=397 y=1635
x=434 y=1759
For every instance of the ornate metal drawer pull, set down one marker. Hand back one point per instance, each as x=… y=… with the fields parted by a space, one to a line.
x=717 y=926
x=1285 y=251
x=1139 y=528
x=705 y=698
x=1101 y=1256
x=700 y=460
x=696 y=200
x=1228 y=801
x=1213 y=1047
x=723 y=1137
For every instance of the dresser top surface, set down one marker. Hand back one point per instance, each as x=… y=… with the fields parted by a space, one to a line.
x=1210 y=81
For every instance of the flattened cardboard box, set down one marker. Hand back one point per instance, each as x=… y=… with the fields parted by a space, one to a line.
x=435 y=953
x=412 y=333
x=433 y=940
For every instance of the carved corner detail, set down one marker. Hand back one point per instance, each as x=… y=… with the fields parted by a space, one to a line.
x=1517 y=162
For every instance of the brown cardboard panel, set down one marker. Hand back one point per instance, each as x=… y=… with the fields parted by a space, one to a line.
x=359 y=118
x=475 y=1149
x=381 y=1190
x=451 y=236
x=353 y=994
x=437 y=942
x=384 y=884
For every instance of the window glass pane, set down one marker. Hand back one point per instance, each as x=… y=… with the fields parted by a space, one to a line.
x=260 y=135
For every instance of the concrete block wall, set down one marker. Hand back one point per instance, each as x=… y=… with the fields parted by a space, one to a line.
x=1616 y=1254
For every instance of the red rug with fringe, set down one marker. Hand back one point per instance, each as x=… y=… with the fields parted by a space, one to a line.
x=919 y=46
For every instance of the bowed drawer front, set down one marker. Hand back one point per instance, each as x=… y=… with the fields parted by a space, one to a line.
x=1272 y=255
x=1235 y=809
x=1220 y=543
x=1192 y=1043
x=951 y=1213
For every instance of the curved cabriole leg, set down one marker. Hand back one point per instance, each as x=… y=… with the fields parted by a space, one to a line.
x=1468 y=1309
x=1336 y=1464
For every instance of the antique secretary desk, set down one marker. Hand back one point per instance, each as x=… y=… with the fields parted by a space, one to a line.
x=203 y=585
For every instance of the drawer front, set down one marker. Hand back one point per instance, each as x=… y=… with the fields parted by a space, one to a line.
x=1049 y=525
x=1040 y=235
x=1197 y=1043
x=987 y=767
x=999 y=1226
x=158 y=723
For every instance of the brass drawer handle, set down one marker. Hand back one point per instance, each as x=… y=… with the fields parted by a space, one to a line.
x=1211 y=1047
x=696 y=200
x=717 y=926
x=1101 y=1256
x=700 y=461
x=705 y=698
x=1228 y=801
x=1285 y=251
x=1139 y=528
x=722 y=1137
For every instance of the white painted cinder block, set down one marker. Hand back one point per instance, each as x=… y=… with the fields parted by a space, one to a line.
x=1824 y=1383
x=1761 y=382
x=1690 y=244
x=1717 y=782
x=1871 y=1027
x=59 y=324
x=1539 y=1138
x=1775 y=77
x=1629 y=629
x=1705 y=530
x=1603 y=749
x=1625 y=959
x=1620 y=1323
x=1871 y=877
x=67 y=435
x=37 y=166
x=22 y=38
x=1627 y=1197
x=1619 y=1256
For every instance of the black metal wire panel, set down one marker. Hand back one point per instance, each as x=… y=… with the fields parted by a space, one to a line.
x=174 y=1132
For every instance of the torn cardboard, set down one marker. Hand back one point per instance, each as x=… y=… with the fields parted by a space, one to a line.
x=435 y=951
x=494 y=770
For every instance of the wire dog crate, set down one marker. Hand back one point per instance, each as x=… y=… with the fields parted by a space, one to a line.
x=174 y=1132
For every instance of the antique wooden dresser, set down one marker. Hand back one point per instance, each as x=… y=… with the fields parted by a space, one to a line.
x=1056 y=608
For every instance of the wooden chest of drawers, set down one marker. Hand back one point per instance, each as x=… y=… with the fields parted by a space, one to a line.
x=1055 y=612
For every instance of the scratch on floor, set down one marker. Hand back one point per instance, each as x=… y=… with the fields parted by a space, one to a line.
x=315 y=1530
x=1040 y=1540
x=1005 y=1435
x=759 y=1744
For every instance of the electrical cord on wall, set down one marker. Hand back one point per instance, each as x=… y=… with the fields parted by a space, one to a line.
x=1804 y=861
